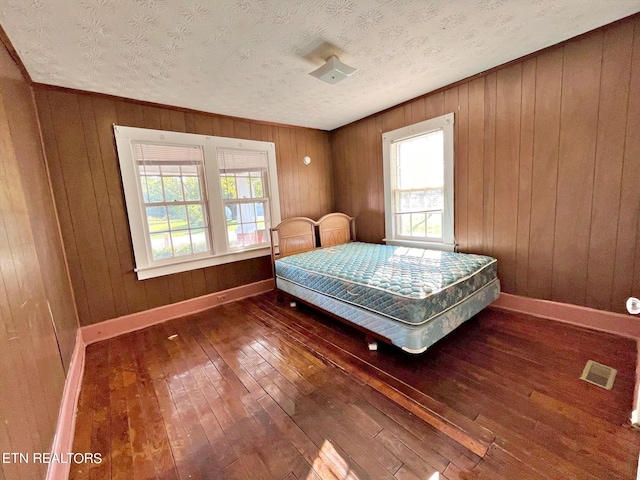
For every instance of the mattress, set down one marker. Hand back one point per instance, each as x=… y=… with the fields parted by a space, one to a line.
x=411 y=338
x=408 y=285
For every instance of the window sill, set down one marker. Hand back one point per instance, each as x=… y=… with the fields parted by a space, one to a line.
x=193 y=264
x=418 y=244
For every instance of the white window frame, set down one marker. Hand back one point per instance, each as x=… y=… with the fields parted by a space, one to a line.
x=145 y=266
x=444 y=123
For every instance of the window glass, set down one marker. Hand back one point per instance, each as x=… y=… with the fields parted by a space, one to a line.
x=418 y=166
x=171 y=184
x=420 y=185
x=196 y=200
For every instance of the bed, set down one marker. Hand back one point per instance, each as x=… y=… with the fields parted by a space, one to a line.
x=408 y=297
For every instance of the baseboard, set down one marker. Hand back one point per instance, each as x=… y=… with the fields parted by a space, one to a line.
x=635 y=414
x=137 y=321
x=63 y=438
x=616 y=323
x=610 y=322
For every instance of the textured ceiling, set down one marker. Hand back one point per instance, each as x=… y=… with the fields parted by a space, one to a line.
x=251 y=58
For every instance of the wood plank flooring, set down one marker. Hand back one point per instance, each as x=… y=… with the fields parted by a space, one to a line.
x=256 y=389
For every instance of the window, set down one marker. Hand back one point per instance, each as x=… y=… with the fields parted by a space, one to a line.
x=244 y=184
x=194 y=200
x=173 y=199
x=418 y=188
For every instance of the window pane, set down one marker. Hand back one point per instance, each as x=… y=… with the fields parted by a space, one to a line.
x=196 y=216
x=228 y=185
x=247 y=224
x=178 y=217
x=191 y=188
x=434 y=225
x=421 y=161
x=231 y=213
x=161 y=246
x=240 y=209
x=170 y=203
x=251 y=235
x=243 y=234
x=405 y=202
x=145 y=190
x=249 y=212
x=242 y=184
x=199 y=241
x=418 y=225
x=254 y=238
x=260 y=218
x=256 y=188
x=232 y=235
x=172 y=189
x=404 y=224
x=151 y=189
x=417 y=200
x=157 y=219
x=181 y=243
x=434 y=199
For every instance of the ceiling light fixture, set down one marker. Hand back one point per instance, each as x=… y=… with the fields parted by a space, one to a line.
x=333 y=71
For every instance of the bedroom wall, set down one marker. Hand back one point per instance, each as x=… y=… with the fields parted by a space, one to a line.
x=547 y=168
x=78 y=139
x=35 y=343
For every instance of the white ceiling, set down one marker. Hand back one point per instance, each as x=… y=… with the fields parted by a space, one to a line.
x=251 y=58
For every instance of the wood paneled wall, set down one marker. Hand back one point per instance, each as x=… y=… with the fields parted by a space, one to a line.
x=38 y=322
x=79 y=142
x=547 y=168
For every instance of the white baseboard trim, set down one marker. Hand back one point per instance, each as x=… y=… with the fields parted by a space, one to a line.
x=63 y=438
x=137 y=321
x=635 y=414
x=610 y=322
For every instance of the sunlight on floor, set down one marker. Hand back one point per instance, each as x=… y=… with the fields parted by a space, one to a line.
x=329 y=459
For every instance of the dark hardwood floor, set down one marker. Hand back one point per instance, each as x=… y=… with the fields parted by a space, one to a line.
x=257 y=389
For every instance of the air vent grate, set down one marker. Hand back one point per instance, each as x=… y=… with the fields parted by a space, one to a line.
x=599 y=374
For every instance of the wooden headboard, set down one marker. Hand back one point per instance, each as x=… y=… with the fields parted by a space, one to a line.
x=294 y=235
x=335 y=229
x=301 y=234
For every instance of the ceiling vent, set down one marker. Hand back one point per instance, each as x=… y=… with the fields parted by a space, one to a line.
x=599 y=374
x=333 y=71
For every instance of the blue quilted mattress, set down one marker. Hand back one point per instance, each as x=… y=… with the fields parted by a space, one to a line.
x=411 y=285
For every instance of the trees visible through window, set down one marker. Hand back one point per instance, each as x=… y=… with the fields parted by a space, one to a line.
x=245 y=194
x=172 y=182
x=196 y=200
x=245 y=207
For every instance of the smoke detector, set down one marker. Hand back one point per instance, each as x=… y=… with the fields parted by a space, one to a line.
x=333 y=71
